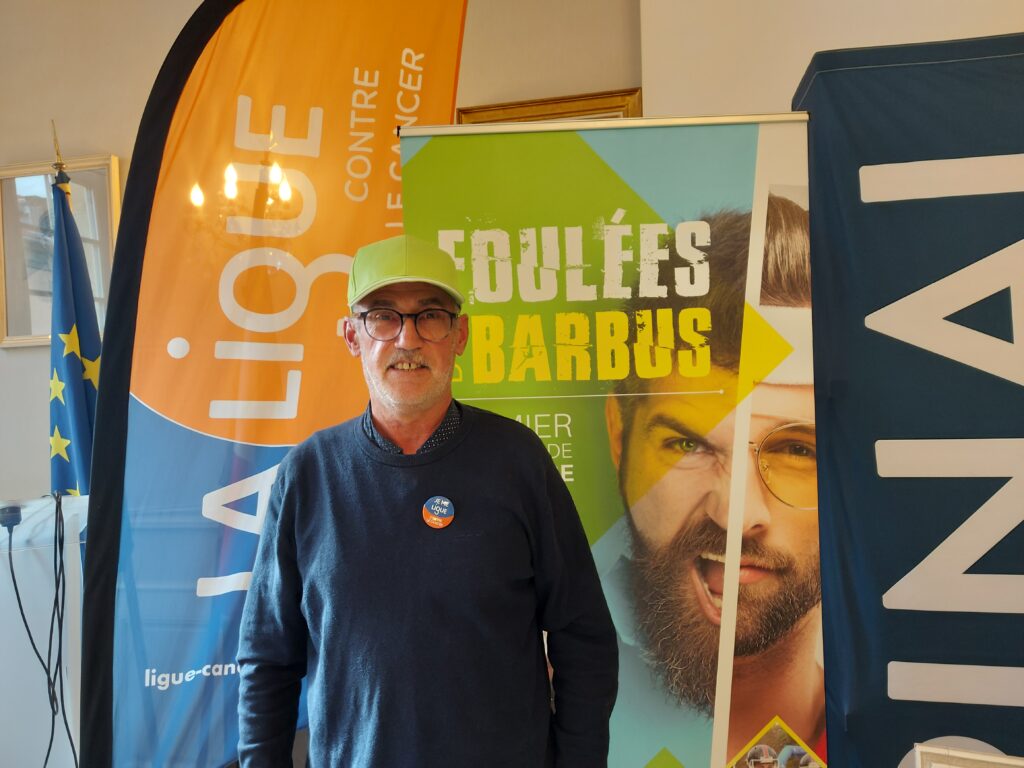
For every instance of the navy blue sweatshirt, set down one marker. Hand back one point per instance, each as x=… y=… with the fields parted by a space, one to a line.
x=422 y=645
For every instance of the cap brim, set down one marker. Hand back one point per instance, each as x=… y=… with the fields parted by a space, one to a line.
x=458 y=297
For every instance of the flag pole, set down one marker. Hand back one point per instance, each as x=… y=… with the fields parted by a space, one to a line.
x=60 y=165
x=61 y=179
x=72 y=406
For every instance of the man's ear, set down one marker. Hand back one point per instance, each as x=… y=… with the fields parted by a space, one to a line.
x=613 y=420
x=350 y=331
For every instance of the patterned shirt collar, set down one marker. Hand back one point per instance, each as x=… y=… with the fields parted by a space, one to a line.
x=448 y=426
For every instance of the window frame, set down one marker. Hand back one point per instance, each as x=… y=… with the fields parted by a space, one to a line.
x=107 y=163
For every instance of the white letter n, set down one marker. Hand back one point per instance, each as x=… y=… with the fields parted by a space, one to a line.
x=939 y=582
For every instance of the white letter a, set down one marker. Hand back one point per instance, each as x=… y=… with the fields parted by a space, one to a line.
x=919 y=318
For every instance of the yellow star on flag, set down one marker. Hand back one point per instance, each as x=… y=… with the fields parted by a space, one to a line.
x=71 y=341
x=58 y=445
x=56 y=388
x=91 y=371
x=73 y=491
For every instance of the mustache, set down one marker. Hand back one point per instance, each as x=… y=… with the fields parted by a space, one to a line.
x=702 y=535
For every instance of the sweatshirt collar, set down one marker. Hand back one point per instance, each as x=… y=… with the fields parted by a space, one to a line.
x=445 y=430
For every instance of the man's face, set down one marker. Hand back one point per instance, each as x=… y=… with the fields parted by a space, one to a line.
x=675 y=460
x=408 y=374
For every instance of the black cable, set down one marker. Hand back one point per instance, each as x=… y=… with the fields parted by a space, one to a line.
x=21 y=608
x=54 y=678
x=50 y=674
x=28 y=629
x=63 y=590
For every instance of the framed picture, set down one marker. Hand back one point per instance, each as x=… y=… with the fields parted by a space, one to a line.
x=589 y=106
x=926 y=756
x=26 y=244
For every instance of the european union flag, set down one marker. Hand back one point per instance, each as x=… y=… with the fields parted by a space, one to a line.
x=74 y=353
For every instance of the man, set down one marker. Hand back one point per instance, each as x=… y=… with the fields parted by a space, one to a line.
x=791 y=755
x=762 y=756
x=410 y=560
x=673 y=451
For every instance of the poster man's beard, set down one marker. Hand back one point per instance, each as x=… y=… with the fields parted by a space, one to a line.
x=680 y=642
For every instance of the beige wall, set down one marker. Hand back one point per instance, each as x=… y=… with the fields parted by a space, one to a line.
x=90 y=66
x=728 y=57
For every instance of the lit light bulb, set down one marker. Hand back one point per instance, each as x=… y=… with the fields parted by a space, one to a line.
x=230 y=182
x=196 y=195
x=284 y=191
x=276 y=174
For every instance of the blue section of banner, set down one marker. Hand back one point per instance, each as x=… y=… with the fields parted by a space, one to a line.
x=176 y=682
x=683 y=172
x=74 y=355
x=646 y=722
x=411 y=145
x=902 y=105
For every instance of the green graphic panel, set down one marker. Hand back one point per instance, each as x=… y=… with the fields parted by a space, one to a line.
x=565 y=255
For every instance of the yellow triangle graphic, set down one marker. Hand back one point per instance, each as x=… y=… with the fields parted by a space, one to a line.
x=664 y=759
x=776 y=734
x=762 y=350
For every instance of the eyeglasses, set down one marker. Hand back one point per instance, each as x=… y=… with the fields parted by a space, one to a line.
x=787 y=461
x=786 y=458
x=432 y=324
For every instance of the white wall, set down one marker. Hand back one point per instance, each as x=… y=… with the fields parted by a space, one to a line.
x=729 y=57
x=89 y=66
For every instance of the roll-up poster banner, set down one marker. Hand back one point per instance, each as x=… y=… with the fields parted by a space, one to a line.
x=267 y=154
x=639 y=296
x=917 y=222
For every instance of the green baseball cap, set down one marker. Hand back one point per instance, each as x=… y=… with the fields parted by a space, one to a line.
x=401 y=259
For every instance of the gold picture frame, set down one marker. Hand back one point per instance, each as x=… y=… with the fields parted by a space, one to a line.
x=589 y=106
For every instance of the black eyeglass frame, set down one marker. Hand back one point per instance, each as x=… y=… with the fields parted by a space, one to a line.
x=452 y=317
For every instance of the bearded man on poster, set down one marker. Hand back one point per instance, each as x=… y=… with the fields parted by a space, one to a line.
x=672 y=441
x=412 y=557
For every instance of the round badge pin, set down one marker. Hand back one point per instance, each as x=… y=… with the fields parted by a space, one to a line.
x=438 y=512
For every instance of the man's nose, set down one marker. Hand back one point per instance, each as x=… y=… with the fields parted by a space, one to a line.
x=408 y=337
x=756 y=515
x=716 y=505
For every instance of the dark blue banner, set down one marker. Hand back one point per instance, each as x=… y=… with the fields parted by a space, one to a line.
x=917 y=220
